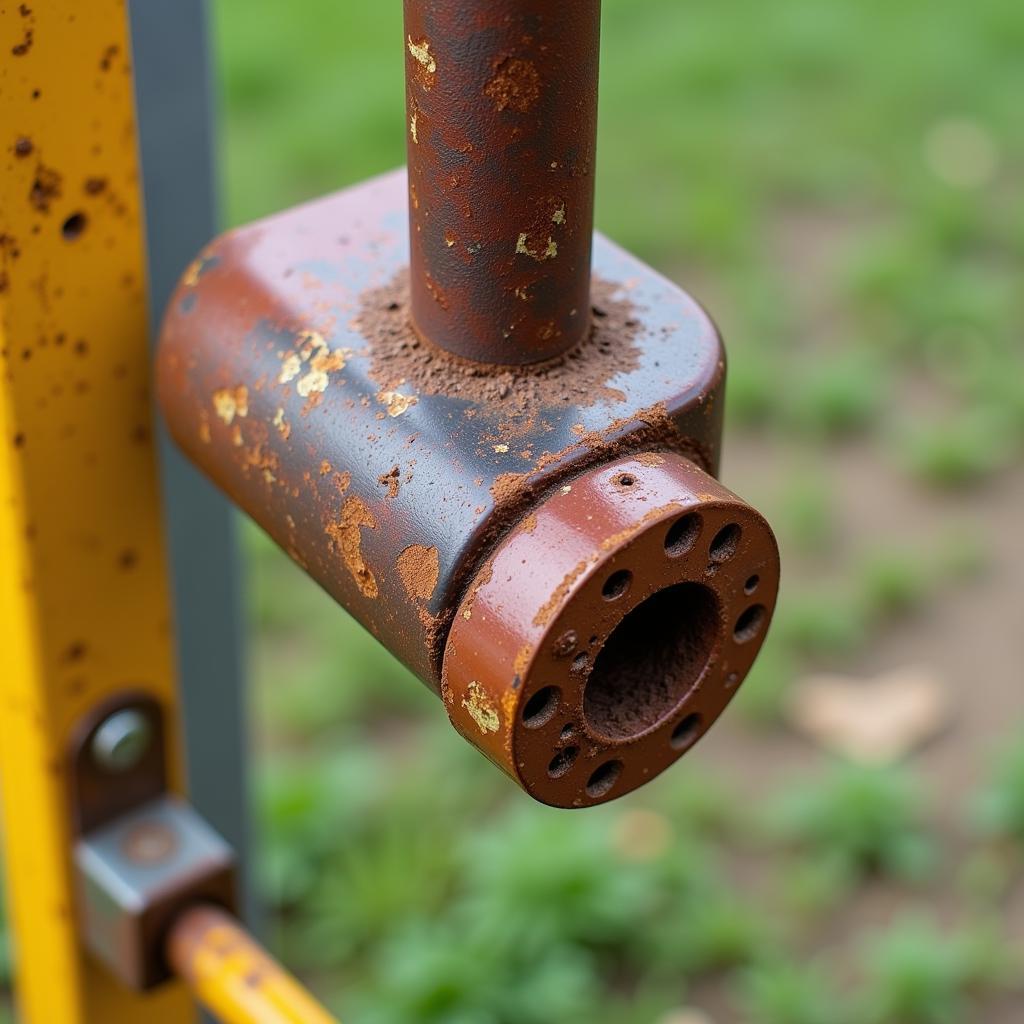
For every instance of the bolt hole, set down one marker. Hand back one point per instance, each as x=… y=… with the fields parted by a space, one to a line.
x=616 y=585
x=540 y=708
x=393 y=307
x=685 y=732
x=624 y=480
x=751 y=585
x=723 y=547
x=562 y=762
x=599 y=312
x=73 y=227
x=580 y=664
x=682 y=534
x=749 y=624
x=603 y=778
x=567 y=733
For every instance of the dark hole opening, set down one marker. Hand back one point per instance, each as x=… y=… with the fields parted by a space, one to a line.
x=685 y=732
x=73 y=226
x=682 y=534
x=751 y=585
x=562 y=762
x=748 y=625
x=540 y=707
x=651 y=661
x=603 y=778
x=724 y=545
x=616 y=584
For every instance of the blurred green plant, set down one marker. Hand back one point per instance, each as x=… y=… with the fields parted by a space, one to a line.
x=784 y=992
x=998 y=808
x=866 y=819
x=916 y=972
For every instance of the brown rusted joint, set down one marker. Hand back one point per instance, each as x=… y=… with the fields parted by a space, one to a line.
x=502 y=120
x=610 y=628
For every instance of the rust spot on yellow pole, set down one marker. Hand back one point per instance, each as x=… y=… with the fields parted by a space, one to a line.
x=233 y=976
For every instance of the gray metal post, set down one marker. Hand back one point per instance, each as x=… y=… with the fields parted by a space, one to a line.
x=173 y=98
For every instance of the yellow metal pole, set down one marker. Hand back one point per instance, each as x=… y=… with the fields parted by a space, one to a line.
x=233 y=976
x=84 y=608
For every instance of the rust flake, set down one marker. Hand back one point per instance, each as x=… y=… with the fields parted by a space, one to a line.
x=346 y=534
x=231 y=402
x=419 y=568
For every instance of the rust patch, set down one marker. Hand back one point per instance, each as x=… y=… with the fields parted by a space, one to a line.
x=231 y=402
x=391 y=480
x=515 y=85
x=419 y=568
x=398 y=355
x=346 y=535
x=45 y=188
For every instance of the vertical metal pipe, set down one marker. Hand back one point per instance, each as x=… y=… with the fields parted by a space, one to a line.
x=502 y=116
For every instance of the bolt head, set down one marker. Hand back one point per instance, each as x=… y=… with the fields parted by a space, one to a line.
x=122 y=740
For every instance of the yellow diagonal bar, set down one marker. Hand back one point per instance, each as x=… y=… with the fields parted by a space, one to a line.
x=233 y=976
x=84 y=608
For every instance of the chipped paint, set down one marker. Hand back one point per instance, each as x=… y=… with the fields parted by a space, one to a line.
x=282 y=425
x=291 y=367
x=523 y=249
x=419 y=568
x=345 y=532
x=421 y=53
x=558 y=217
x=481 y=708
x=500 y=449
x=396 y=403
x=231 y=402
x=313 y=382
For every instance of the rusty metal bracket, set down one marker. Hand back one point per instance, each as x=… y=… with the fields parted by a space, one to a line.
x=141 y=856
x=489 y=433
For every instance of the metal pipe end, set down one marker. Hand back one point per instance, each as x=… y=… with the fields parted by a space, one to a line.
x=610 y=628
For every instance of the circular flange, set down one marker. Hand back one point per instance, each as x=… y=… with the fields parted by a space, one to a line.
x=610 y=628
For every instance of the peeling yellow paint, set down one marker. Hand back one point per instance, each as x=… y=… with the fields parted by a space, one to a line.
x=412 y=128
x=290 y=368
x=311 y=383
x=231 y=402
x=314 y=350
x=421 y=53
x=481 y=708
x=558 y=217
x=396 y=403
x=523 y=249
x=283 y=426
x=501 y=448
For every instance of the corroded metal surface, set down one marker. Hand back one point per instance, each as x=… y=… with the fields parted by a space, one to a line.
x=392 y=471
x=233 y=976
x=610 y=628
x=502 y=116
x=136 y=874
x=288 y=373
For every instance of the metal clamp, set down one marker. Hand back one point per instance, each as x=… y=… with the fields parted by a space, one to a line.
x=142 y=856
